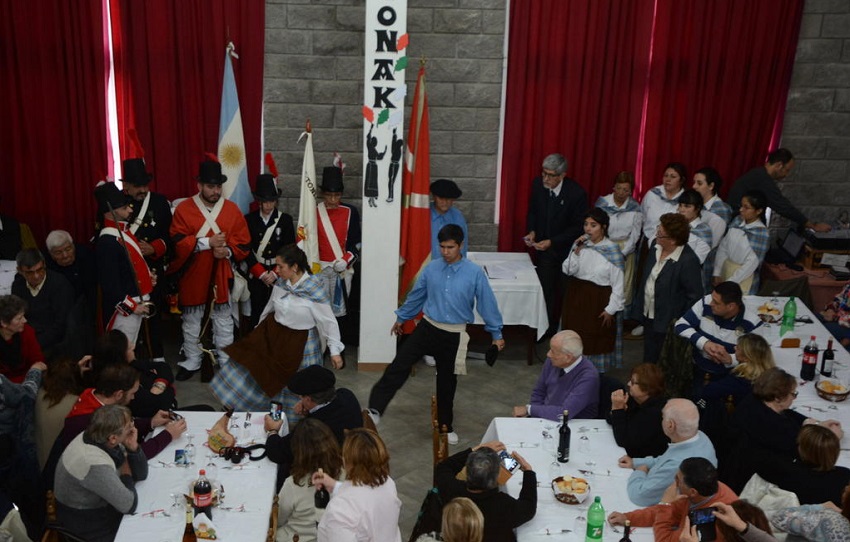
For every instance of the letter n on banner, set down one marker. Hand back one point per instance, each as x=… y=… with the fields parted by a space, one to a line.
x=383 y=154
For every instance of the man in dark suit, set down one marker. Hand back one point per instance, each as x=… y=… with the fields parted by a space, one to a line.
x=338 y=408
x=556 y=212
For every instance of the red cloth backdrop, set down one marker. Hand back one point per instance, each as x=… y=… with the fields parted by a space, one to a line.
x=52 y=102
x=618 y=85
x=169 y=60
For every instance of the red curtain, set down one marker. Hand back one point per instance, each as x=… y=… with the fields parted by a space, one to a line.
x=719 y=79
x=52 y=102
x=575 y=83
x=618 y=85
x=169 y=60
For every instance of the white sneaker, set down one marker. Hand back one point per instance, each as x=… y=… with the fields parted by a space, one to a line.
x=375 y=415
x=452 y=438
x=430 y=361
x=638 y=331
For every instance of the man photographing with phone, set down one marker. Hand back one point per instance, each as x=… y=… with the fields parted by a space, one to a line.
x=484 y=465
x=691 y=496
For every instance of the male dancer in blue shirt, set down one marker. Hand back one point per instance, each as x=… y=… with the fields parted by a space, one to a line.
x=448 y=289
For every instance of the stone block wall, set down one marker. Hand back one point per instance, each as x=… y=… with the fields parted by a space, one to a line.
x=314 y=68
x=817 y=115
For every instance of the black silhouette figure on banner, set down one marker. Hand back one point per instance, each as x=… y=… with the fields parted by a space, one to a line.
x=370 y=187
x=395 y=157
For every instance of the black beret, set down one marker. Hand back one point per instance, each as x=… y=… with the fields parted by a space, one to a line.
x=445 y=188
x=310 y=380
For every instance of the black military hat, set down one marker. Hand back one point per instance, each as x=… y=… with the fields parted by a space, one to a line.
x=445 y=188
x=107 y=194
x=332 y=179
x=209 y=172
x=135 y=172
x=311 y=380
x=266 y=189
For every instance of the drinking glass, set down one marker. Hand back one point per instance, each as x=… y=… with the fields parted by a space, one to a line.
x=190 y=450
x=211 y=469
x=580 y=525
x=177 y=510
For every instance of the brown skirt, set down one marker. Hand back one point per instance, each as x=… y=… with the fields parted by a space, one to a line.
x=583 y=304
x=272 y=353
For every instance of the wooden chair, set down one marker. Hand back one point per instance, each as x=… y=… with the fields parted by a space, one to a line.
x=440 y=435
x=270 y=537
x=54 y=532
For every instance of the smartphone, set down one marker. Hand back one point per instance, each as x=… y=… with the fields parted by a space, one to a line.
x=174 y=416
x=508 y=461
x=703 y=520
x=276 y=410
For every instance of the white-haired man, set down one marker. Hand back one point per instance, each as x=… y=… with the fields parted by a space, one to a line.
x=652 y=475
x=569 y=381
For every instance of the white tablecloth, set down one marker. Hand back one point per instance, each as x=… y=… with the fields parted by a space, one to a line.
x=525 y=436
x=520 y=298
x=790 y=359
x=250 y=484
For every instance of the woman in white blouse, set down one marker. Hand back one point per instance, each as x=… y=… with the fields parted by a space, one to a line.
x=594 y=304
x=263 y=362
x=742 y=251
x=662 y=199
x=625 y=226
x=365 y=507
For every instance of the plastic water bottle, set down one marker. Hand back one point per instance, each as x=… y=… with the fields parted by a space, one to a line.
x=595 y=521
x=789 y=314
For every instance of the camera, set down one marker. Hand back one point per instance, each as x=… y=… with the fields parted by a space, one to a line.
x=233 y=453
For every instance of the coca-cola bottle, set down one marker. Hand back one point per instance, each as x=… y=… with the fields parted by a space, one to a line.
x=810 y=360
x=322 y=497
x=202 y=499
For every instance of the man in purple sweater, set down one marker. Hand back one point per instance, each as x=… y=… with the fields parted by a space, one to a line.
x=569 y=381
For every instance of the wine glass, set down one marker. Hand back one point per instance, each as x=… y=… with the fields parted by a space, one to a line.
x=584 y=449
x=580 y=525
x=190 y=450
x=177 y=509
x=211 y=469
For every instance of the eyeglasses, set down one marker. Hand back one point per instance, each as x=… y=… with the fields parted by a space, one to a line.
x=545 y=173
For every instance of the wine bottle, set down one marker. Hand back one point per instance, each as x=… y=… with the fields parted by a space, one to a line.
x=827 y=360
x=322 y=497
x=564 y=439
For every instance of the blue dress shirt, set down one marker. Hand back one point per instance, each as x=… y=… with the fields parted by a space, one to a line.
x=450 y=292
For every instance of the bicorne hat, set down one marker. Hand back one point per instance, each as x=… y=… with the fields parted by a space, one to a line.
x=108 y=195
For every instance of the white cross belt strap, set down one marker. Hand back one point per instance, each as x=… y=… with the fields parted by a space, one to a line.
x=127 y=239
x=264 y=242
x=210 y=217
x=330 y=232
x=141 y=216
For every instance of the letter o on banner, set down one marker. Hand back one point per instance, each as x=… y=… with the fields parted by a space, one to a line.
x=386 y=16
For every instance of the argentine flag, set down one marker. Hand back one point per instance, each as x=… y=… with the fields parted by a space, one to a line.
x=231 y=143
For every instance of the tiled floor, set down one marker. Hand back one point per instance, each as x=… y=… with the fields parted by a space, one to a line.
x=486 y=392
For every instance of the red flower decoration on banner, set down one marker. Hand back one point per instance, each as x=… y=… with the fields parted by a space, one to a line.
x=368 y=114
x=402 y=42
